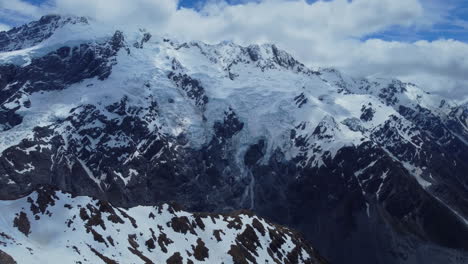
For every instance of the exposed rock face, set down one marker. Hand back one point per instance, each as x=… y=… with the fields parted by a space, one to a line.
x=55 y=71
x=87 y=230
x=6 y=259
x=370 y=170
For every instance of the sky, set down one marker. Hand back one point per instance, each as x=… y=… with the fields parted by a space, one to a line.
x=420 y=41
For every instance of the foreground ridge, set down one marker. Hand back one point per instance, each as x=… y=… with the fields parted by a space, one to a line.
x=51 y=225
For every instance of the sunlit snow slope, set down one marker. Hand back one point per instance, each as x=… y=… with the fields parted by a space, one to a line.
x=49 y=226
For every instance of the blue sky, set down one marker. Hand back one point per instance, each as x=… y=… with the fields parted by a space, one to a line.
x=453 y=26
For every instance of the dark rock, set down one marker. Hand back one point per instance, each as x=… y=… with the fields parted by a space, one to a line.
x=367 y=113
x=22 y=223
x=176 y=258
x=200 y=251
x=192 y=87
x=6 y=259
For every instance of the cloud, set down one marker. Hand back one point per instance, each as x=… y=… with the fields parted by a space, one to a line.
x=273 y=19
x=138 y=12
x=17 y=11
x=4 y=27
x=324 y=33
x=20 y=7
x=438 y=66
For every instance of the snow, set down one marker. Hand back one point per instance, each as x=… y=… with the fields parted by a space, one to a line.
x=28 y=167
x=124 y=179
x=417 y=173
x=359 y=172
x=133 y=172
x=55 y=234
x=461 y=217
x=262 y=98
x=383 y=177
x=89 y=172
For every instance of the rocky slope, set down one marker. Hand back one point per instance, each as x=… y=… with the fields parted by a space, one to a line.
x=370 y=170
x=51 y=225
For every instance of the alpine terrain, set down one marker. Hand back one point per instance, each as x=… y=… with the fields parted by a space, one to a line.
x=104 y=130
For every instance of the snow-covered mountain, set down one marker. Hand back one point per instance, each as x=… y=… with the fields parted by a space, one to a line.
x=370 y=170
x=49 y=226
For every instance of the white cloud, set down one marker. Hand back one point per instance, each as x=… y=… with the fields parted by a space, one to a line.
x=439 y=66
x=319 y=34
x=20 y=7
x=141 y=12
x=17 y=11
x=4 y=27
x=273 y=19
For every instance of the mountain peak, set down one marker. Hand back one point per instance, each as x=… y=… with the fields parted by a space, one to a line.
x=35 y=32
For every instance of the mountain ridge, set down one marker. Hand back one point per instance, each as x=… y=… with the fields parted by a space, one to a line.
x=91 y=231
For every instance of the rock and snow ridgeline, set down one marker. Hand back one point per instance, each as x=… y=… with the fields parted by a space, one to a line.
x=50 y=226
